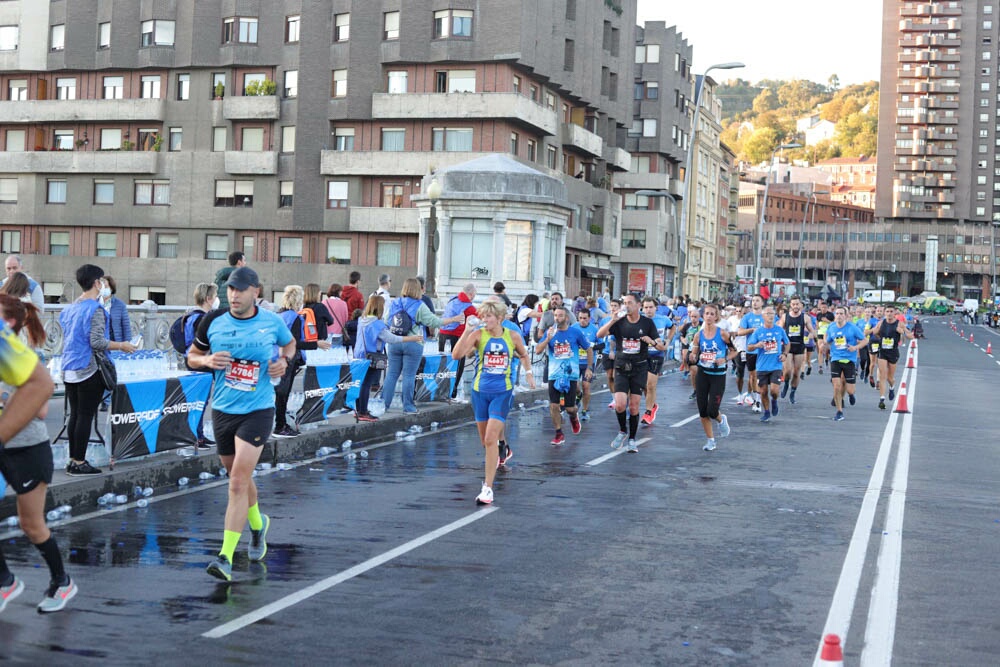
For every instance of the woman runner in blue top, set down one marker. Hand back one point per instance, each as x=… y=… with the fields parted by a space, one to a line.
x=711 y=350
x=492 y=385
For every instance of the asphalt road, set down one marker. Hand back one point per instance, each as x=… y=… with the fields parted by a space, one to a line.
x=745 y=555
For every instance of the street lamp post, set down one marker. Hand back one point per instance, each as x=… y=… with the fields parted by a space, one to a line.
x=843 y=260
x=763 y=213
x=433 y=238
x=682 y=234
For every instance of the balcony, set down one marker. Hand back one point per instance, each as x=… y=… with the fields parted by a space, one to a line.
x=251 y=162
x=389 y=163
x=581 y=139
x=73 y=111
x=632 y=181
x=262 y=107
x=393 y=106
x=381 y=220
x=79 y=162
x=618 y=159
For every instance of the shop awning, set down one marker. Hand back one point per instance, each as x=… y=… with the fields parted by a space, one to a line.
x=594 y=272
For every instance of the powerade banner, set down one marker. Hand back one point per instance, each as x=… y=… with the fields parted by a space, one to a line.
x=435 y=378
x=156 y=415
x=330 y=388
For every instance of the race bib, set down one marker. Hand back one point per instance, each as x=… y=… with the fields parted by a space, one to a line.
x=794 y=330
x=495 y=363
x=562 y=350
x=242 y=375
x=707 y=358
x=887 y=343
x=875 y=347
x=840 y=342
x=770 y=346
x=630 y=346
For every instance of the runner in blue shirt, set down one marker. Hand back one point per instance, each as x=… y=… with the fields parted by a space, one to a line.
x=771 y=344
x=843 y=339
x=564 y=344
x=655 y=355
x=589 y=330
x=608 y=353
x=748 y=324
x=238 y=345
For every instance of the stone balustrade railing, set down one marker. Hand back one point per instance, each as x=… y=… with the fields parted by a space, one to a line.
x=150 y=321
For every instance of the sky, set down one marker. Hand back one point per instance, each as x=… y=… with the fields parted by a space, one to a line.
x=778 y=39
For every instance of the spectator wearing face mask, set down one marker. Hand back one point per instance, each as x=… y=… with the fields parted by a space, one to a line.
x=119 y=327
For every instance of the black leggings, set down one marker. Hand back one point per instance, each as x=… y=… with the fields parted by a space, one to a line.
x=361 y=405
x=281 y=393
x=709 y=390
x=84 y=399
x=445 y=339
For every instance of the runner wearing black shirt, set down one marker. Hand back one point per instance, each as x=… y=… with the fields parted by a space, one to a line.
x=633 y=333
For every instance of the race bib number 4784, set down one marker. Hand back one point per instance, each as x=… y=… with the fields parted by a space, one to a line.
x=242 y=375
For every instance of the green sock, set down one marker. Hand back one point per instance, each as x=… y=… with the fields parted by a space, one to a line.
x=230 y=539
x=253 y=515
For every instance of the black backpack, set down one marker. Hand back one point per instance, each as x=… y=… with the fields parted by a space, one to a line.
x=177 y=335
x=401 y=322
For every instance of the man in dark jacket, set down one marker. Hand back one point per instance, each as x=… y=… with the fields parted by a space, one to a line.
x=236 y=260
x=352 y=295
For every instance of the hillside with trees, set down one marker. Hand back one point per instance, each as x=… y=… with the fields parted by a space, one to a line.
x=759 y=117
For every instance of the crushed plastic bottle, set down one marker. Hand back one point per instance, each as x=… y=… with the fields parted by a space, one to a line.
x=363 y=453
x=142 y=502
x=222 y=472
x=347 y=445
x=410 y=438
x=264 y=466
x=12 y=521
x=137 y=491
x=121 y=499
x=284 y=466
x=186 y=452
x=204 y=475
x=324 y=451
x=64 y=509
x=416 y=429
x=148 y=491
x=435 y=425
x=53 y=515
x=183 y=481
x=350 y=456
x=400 y=435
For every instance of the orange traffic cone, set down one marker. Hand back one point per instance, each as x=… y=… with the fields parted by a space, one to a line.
x=901 y=405
x=962 y=334
x=972 y=337
x=911 y=363
x=989 y=347
x=831 y=655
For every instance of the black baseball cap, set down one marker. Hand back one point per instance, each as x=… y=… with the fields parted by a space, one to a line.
x=242 y=278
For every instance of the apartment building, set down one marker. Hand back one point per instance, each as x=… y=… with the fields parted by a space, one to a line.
x=938 y=181
x=155 y=138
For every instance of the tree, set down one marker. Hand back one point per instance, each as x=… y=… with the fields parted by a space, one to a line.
x=759 y=145
x=767 y=100
x=833 y=83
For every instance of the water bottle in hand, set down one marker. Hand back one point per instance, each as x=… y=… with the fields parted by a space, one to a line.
x=473 y=322
x=275 y=380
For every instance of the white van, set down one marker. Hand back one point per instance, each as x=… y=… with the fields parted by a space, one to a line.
x=969 y=306
x=877 y=296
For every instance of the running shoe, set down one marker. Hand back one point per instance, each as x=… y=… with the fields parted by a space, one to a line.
x=80 y=469
x=485 y=496
x=647 y=417
x=286 y=432
x=739 y=399
x=881 y=403
x=791 y=397
x=757 y=407
x=693 y=395
x=203 y=445
x=574 y=423
x=784 y=389
x=833 y=402
x=611 y=405
x=506 y=454
x=851 y=399
x=774 y=407
x=619 y=440
x=892 y=392
x=10 y=591
x=632 y=447
x=724 y=429
x=584 y=416
x=766 y=417
x=802 y=375
x=809 y=371
x=258 y=541
x=839 y=417
x=821 y=369
x=56 y=596
x=748 y=399
x=656 y=408
x=221 y=568
x=559 y=438
x=366 y=418
x=871 y=381
x=709 y=445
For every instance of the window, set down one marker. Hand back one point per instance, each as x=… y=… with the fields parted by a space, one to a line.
x=15 y=141
x=652 y=90
x=397 y=82
x=339 y=83
x=633 y=238
x=338 y=251
x=17 y=90
x=147 y=138
x=650 y=53
x=336 y=194
x=252 y=139
x=166 y=246
x=256 y=77
x=107 y=244
x=285 y=192
x=183 y=86
x=217 y=78
x=388 y=253
x=114 y=87
x=104 y=193
x=393 y=139
x=8 y=192
x=639 y=164
x=55 y=191
x=239 y=30
x=517 y=250
x=143 y=252
x=571 y=10
x=569 y=49
x=392 y=196
x=10 y=241
x=453 y=23
x=290 y=249
x=111 y=139
x=532 y=150
x=62 y=140
x=551 y=157
x=343 y=139
x=390 y=23
x=292 y=24
x=471 y=247
x=649 y=127
x=176 y=138
x=451 y=139
x=66 y=88
x=456 y=81
x=288 y=139
x=216 y=246
x=57 y=37
x=152 y=193
x=513 y=143
x=342 y=27
x=59 y=243
x=104 y=35
x=292 y=83
x=8 y=37
x=150 y=87
x=234 y=193
x=157 y=33
x=218 y=139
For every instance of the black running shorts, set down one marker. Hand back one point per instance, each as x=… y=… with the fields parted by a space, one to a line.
x=253 y=427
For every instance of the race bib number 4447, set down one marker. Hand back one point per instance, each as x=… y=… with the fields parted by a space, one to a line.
x=242 y=375
x=495 y=363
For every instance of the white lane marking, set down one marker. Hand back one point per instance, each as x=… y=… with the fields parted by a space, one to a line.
x=838 y=620
x=612 y=454
x=325 y=584
x=880 y=632
x=684 y=421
